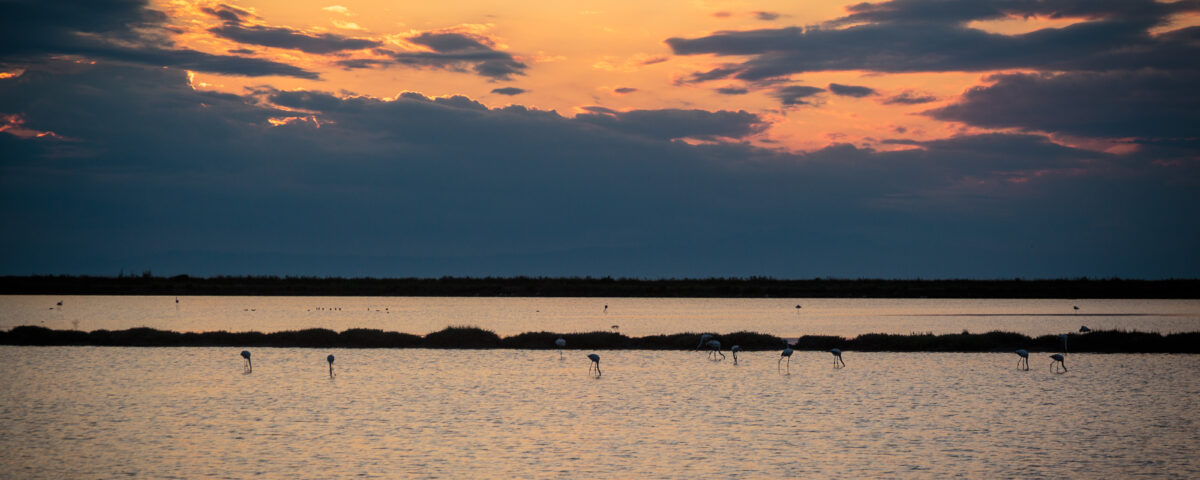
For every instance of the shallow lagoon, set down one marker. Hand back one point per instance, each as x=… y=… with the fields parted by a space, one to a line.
x=634 y=316
x=96 y=412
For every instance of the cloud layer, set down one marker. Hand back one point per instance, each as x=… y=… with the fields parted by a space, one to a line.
x=149 y=173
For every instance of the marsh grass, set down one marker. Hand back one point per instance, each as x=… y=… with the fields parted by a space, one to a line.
x=1100 y=341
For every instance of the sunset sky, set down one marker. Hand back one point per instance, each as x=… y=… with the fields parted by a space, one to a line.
x=895 y=139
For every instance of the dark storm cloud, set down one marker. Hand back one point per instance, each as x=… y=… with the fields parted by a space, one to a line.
x=509 y=91
x=732 y=91
x=159 y=176
x=922 y=35
x=280 y=37
x=673 y=123
x=766 y=16
x=451 y=51
x=909 y=98
x=624 y=90
x=1146 y=104
x=796 y=94
x=941 y=11
x=850 y=90
x=228 y=13
x=125 y=30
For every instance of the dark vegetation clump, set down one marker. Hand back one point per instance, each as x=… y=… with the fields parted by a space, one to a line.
x=374 y=338
x=1099 y=341
x=462 y=337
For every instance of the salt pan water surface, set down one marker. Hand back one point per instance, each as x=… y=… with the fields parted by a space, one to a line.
x=95 y=412
x=634 y=316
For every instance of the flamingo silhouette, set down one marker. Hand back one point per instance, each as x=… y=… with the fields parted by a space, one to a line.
x=330 y=360
x=248 y=367
x=1063 y=337
x=787 y=353
x=734 y=349
x=703 y=340
x=1023 y=362
x=714 y=349
x=560 y=343
x=595 y=364
x=1058 y=364
x=837 y=358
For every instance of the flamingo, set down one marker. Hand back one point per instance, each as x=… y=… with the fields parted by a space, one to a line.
x=560 y=343
x=734 y=349
x=714 y=349
x=787 y=353
x=1084 y=329
x=1023 y=362
x=703 y=340
x=1058 y=363
x=837 y=358
x=330 y=360
x=249 y=367
x=595 y=364
x=1063 y=337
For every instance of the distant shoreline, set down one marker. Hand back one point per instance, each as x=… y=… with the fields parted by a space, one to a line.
x=1104 y=341
x=752 y=287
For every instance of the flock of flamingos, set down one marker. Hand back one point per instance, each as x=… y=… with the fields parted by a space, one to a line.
x=715 y=354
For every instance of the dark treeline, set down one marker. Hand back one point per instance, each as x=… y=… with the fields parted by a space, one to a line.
x=148 y=284
x=1107 y=341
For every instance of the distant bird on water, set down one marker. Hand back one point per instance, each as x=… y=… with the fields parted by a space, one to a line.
x=1057 y=366
x=330 y=360
x=1023 y=362
x=787 y=353
x=595 y=364
x=560 y=343
x=837 y=358
x=734 y=349
x=1076 y=307
x=59 y=303
x=1084 y=329
x=247 y=367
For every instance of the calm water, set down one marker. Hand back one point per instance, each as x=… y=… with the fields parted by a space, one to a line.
x=94 y=412
x=634 y=316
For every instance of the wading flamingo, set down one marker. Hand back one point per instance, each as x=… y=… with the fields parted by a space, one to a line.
x=1057 y=366
x=787 y=353
x=1023 y=362
x=247 y=367
x=330 y=360
x=734 y=349
x=837 y=358
x=714 y=349
x=595 y=364
x=560 y=343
